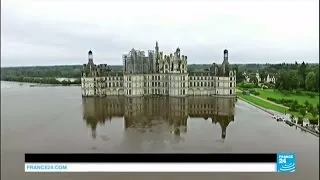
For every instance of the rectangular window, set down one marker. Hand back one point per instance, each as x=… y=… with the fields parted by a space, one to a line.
x=230 y=91
x=190 y=84
x=230 y=84
x=218 y=84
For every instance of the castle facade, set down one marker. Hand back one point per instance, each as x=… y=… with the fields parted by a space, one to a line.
x=157 y=74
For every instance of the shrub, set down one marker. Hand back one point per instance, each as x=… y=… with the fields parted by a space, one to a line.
x=246 y=85
x=293 y=107
x=256 y=93
x=313 y=121
x=312 y=95
x=298 y=92
x=271 y=99
x=310 y=108
x=300 y=121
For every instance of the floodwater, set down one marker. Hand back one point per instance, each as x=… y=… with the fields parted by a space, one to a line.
x=58 y=120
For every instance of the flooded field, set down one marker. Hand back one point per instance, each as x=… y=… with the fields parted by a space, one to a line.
x=59 y=120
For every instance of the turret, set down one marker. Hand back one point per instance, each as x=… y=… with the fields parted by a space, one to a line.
x=178 y=52
x=225 y=64
x=157 y=56
x=90 y=58
x=225 y=55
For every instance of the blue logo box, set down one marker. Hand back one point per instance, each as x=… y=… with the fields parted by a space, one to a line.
x=286 y=162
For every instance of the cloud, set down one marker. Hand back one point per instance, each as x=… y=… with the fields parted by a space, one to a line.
x=35 y=32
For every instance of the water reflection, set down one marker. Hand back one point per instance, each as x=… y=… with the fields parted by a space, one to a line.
x=143 y=113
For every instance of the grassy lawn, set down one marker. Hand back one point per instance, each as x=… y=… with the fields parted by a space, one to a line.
x=268 y=105
x=262 y=103
x=265 y=93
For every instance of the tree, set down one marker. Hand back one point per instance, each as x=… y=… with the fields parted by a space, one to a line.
x=306 y=103
x=317 y=78
x=303 y=112
x=300 y=120
x=282 y=81
x=302 y=74
x=292 y=117
x=253 y=79
x=310 y=108
x=314 y=113
x=263 y=75
x=294 y=79
x=310 y=81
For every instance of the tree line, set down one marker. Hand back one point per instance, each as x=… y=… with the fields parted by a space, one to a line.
x=290 y=77
x=295 y=76
x=45 y=80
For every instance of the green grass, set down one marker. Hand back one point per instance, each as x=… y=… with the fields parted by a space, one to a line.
x=263 y=103
x=270 y=106
x=265 y=93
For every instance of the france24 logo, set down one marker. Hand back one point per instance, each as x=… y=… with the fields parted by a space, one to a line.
x=286 y=162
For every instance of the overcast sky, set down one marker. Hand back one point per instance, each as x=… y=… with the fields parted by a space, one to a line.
x=57 y=32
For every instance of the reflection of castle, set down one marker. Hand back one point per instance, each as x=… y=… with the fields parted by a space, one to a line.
x=99 y=110
x=142 y=112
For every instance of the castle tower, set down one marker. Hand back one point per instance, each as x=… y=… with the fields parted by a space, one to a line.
x=225 y=56
x=90 y=59
x=225 y=63
x=157 y=57
x=178 y=52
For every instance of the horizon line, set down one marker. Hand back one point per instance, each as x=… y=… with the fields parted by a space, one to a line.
x=122 y=65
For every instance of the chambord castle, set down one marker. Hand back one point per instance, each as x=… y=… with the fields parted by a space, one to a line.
x=157 y=74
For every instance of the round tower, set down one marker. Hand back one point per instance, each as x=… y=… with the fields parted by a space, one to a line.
x=225 y=55
x=90 y=58
x=178 y=52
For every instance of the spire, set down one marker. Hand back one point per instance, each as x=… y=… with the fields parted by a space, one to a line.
x=157 y=57
x=90 y=59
